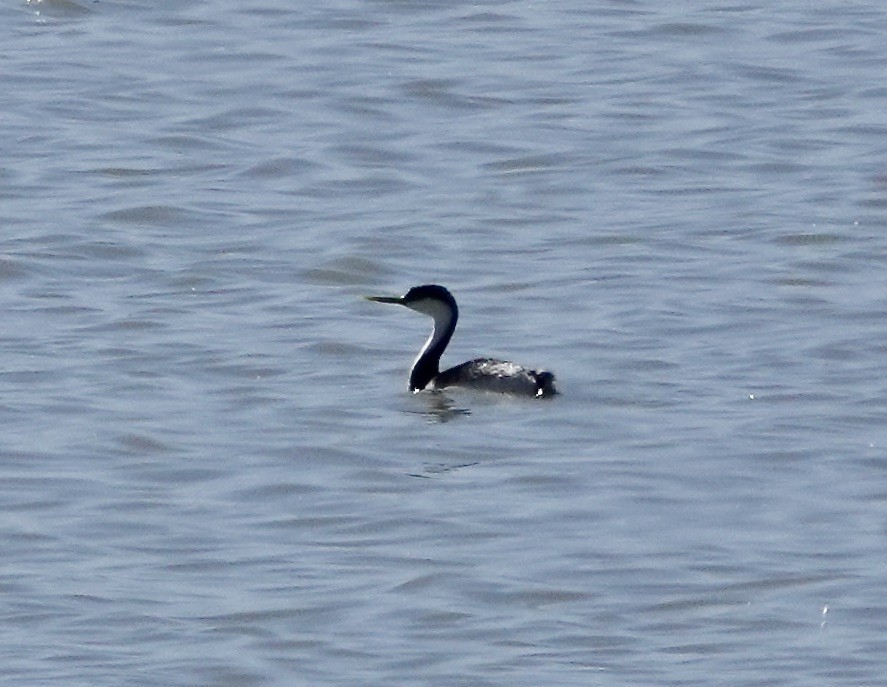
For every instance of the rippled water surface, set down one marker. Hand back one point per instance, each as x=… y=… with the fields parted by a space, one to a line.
x=212 y=473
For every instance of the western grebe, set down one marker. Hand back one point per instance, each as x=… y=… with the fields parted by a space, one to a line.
x=482 y=373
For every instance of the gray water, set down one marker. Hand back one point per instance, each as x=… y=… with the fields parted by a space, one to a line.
x=212 y=472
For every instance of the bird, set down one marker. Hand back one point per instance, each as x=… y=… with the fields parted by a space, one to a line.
x=487 y=374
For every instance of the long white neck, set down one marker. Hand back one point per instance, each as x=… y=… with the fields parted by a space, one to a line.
x=427 y=363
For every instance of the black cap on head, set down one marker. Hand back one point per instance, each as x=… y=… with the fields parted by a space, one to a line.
x=428 y=291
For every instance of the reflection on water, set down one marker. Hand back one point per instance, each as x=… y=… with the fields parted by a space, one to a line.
x=439 y=407
x=437 y=469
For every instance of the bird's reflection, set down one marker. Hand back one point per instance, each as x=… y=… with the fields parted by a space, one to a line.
x=431 y=470
x=439 y=407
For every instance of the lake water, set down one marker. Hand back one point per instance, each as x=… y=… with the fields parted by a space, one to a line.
x=212 y=472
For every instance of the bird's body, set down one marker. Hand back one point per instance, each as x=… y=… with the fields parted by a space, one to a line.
x=483 y=373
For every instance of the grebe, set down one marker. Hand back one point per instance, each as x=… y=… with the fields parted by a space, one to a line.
x=482 y=373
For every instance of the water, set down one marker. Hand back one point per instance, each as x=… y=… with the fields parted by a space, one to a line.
x=211 y=471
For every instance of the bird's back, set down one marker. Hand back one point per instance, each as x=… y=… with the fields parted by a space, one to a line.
x=500 y=376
